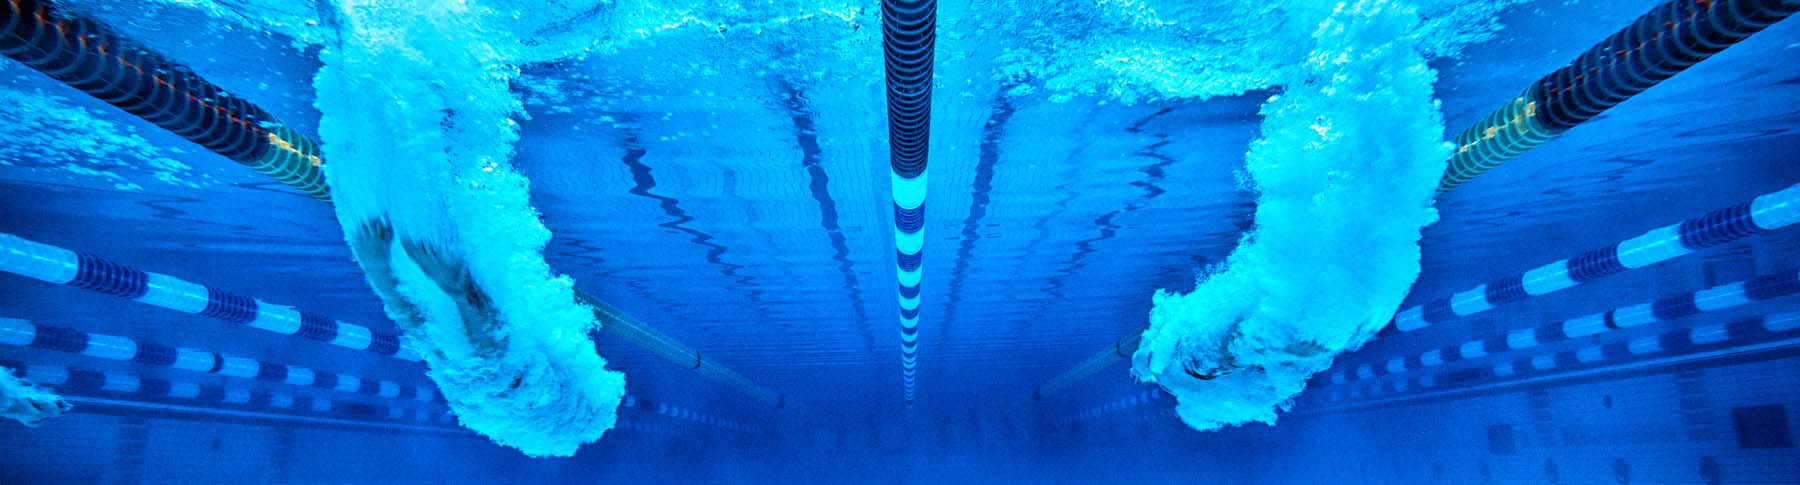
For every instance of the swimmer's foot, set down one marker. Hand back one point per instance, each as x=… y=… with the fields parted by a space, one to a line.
x=34 y=405
x=48 y=406
x=1305 y=348
x=1210 y=372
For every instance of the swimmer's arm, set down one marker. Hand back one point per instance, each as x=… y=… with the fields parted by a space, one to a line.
x=373 y=244
x=473 y=304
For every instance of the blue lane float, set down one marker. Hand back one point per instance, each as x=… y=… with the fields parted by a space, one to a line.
x=1664 y=309
x=1707 y=341
x=1669 y=39
x=84 y=381
x=1116 y=406
x=60 y=266
x=697 y=417
x=1766 y=213
x=909 y=35
x=90 y=57
x=24 y=333
x=1121 y=349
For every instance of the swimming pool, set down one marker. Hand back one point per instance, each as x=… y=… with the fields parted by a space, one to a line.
x=1165 y=241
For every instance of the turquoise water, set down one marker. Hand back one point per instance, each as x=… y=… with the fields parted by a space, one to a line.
x=719 y=172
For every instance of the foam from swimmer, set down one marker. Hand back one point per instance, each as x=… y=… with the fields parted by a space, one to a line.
x=1344 y=171
x=59 y=138
x=419 y=125
x=1134 y=51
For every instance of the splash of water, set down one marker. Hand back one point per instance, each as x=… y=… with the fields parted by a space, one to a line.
x=1133 y=51
x=1345 y=171
x=419 y=125
x=52 y=132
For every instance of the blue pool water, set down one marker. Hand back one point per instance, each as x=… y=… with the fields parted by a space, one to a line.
x=1163 y=241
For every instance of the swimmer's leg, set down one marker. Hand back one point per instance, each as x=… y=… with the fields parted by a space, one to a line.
x=373 y=243
x=452 y=276
x=47 y=405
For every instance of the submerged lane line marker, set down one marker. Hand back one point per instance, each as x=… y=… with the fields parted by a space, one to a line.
x=60 y=266
x=909 y=32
